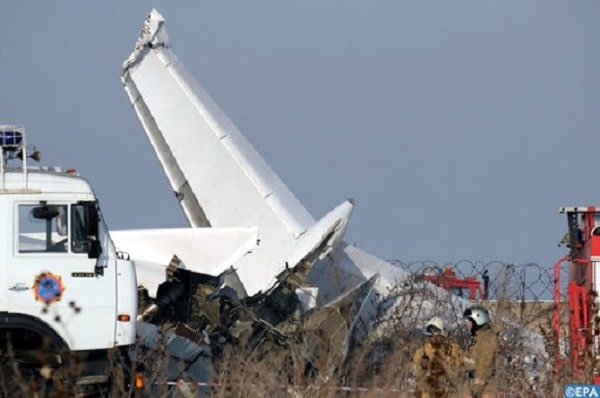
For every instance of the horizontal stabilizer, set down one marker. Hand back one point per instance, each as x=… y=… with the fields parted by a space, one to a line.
x=204 y=250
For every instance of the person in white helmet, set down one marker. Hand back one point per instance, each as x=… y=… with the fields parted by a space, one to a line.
x=436 y=364
x=480 y=360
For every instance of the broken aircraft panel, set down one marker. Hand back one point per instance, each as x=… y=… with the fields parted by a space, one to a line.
x=210 y=309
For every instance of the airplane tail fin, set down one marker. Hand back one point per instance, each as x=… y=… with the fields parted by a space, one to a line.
x=218 y=177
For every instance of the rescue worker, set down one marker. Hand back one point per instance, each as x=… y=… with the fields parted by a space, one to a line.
x=436 y=364
x=480 y=361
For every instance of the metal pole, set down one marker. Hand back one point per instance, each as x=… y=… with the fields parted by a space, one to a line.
x=522 y=293
x=24 y=158
x=2 y=166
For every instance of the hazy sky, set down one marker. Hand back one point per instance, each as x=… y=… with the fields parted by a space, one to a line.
x=458 y=127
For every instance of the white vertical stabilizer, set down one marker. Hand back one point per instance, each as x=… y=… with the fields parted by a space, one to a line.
x=220 y=179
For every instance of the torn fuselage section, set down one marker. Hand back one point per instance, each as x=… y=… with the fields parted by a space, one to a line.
x=198 y=320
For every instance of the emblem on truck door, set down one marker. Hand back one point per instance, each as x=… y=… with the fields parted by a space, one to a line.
x=48 y=288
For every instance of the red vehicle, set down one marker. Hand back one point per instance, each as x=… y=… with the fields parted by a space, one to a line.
x=583 y=262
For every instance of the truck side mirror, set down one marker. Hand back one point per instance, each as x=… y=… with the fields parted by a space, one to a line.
x=44 y=212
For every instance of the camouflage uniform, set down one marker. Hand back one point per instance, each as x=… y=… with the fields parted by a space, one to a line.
x=436 y=367
x=480 y=362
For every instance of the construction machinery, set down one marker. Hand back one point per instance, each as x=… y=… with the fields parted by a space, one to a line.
x=448 y=280
x=576 y=348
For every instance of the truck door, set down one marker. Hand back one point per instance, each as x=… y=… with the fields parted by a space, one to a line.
x=50 y=275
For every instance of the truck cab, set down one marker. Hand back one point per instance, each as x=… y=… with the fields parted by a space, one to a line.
x=64 y=289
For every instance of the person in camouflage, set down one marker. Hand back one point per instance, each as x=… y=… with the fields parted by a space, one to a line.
x=436 y=364
x=480 y=360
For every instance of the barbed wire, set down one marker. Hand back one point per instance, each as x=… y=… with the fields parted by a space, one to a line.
x=506 y=281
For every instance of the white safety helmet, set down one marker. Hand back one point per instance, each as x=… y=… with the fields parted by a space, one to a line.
x=435 y=324
x=478 y=314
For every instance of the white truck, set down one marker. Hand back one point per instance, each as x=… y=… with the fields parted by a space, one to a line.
x=65 y=293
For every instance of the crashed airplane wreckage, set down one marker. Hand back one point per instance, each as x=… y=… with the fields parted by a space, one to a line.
x=252 y=248
x=197 y=317
x=221 y=182
x=257 y=264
